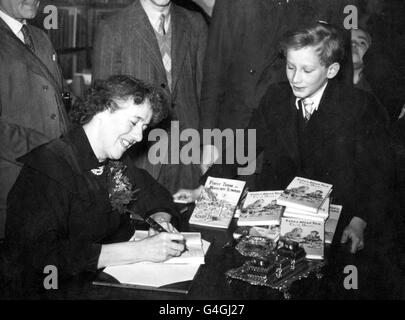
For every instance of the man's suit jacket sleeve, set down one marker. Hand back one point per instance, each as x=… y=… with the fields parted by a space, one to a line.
x=17 y=140
x=28 y=86
x=373 y=166
x=201 y=52
x=105 y=50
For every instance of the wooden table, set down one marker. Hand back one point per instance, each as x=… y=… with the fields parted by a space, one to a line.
x=378 y=278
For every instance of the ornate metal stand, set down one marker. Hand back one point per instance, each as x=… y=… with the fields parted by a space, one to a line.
x=273 y=267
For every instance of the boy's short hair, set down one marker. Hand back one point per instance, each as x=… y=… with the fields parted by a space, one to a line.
x=322 y=35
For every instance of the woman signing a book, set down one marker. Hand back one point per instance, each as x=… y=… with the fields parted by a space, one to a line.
x=72 y=203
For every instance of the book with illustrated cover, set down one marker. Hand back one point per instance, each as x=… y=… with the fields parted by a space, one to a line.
x=217 y=203
x=270 y=232
x=307 y=232
x=305 y=194
x=240 y=203
x=332 y=221
x=321 y=215
x=260 y=208
x=194 y=244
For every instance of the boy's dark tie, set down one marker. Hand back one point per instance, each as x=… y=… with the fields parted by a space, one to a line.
x=306 y=105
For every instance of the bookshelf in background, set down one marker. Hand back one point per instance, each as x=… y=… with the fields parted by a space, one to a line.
x=70 y=39
x=77 y=23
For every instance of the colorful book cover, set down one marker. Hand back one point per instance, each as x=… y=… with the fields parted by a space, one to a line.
x=217 y=202
x=260 y=208
x=308 y=233
x=305 y=194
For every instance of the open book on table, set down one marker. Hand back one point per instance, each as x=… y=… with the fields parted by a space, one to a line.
x=169 y=277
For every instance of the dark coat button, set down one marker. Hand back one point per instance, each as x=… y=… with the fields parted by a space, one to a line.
x=163 y=86
x=53 y=116
x=173 y=105
x=45 y=88
x=252 y=71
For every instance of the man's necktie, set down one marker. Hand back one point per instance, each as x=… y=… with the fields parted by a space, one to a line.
x=307 y=105
x=164 y=41
x=27 y=38
x=162 y=25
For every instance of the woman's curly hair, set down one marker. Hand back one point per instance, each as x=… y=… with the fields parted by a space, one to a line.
x=104 y=95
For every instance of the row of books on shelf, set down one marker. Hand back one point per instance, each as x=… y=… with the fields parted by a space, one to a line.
x=77 y=24
x=72 y=30
x=302 y=212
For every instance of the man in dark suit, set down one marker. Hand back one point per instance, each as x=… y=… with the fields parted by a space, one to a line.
x=243 y=57
x=169 y=55
x=31 y=107
x=315 y=127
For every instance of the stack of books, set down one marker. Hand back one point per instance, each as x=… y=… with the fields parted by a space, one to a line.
x=269 y=232
x=306 y=209
x=260 y=214
x=260 y=208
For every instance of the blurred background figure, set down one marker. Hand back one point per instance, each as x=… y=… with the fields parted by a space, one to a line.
x=202 y=6
x=361 y=41
x=384 y=61
x=164 y=44
x=31 y=105
x=207 y=5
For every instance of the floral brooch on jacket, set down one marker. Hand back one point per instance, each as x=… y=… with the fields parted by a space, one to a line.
x=121 y=192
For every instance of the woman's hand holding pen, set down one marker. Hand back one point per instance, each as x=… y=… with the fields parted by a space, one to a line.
x=163 y=242
x=155 y=248
x=161 y=246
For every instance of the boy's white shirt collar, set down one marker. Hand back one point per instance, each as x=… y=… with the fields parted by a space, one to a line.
x=316 y=98
x=154 y=15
